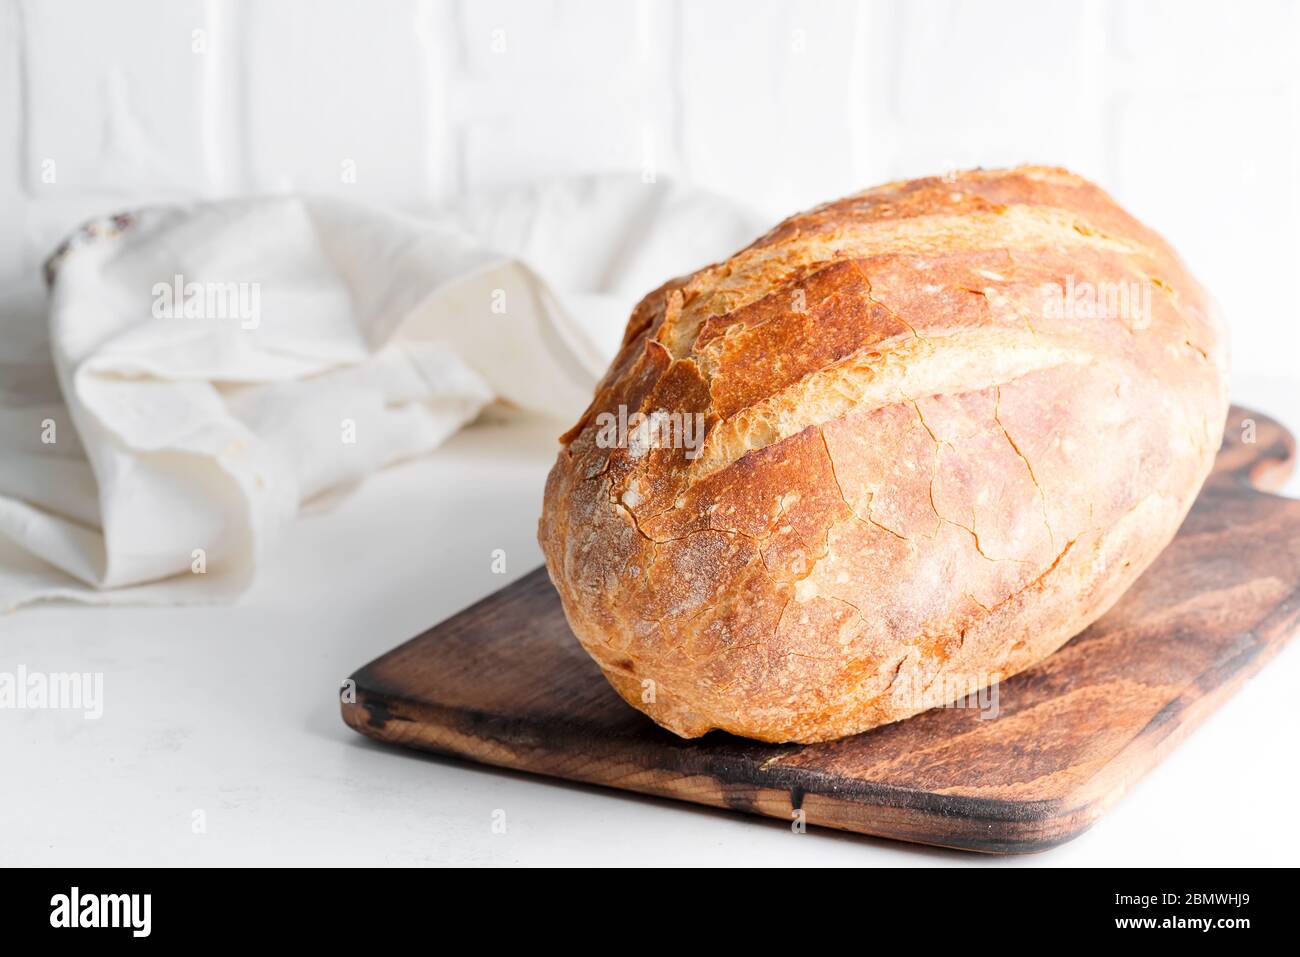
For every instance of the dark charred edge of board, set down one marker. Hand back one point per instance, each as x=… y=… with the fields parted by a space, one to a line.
x=1269 y=470
x=988 y=825
x=1272 y=471
x=1263 y=468
x=1264 y=640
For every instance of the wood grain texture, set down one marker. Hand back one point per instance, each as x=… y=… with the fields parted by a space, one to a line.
x=505 y=683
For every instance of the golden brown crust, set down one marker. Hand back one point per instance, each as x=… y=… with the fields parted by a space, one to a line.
x=921 y=466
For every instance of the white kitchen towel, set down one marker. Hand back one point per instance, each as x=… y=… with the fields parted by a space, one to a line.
x=219 y=364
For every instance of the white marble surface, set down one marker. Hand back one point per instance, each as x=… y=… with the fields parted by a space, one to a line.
x=232 y=711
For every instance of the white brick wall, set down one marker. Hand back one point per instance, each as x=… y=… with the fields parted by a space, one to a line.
x=1188 y=111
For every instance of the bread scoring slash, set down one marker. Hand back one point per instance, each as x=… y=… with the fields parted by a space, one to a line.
x=945 y=424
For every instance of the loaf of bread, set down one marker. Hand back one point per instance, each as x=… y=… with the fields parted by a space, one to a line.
x=904 y=445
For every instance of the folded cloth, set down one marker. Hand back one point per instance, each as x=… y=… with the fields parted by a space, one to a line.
x=215 y=366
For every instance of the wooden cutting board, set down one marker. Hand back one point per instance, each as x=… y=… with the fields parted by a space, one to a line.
x=505 y=683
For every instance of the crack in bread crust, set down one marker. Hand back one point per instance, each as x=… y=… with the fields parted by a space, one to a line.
x=920 y=463
x=933 y=366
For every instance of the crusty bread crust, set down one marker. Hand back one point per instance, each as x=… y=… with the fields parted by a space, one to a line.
x=921 y=468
